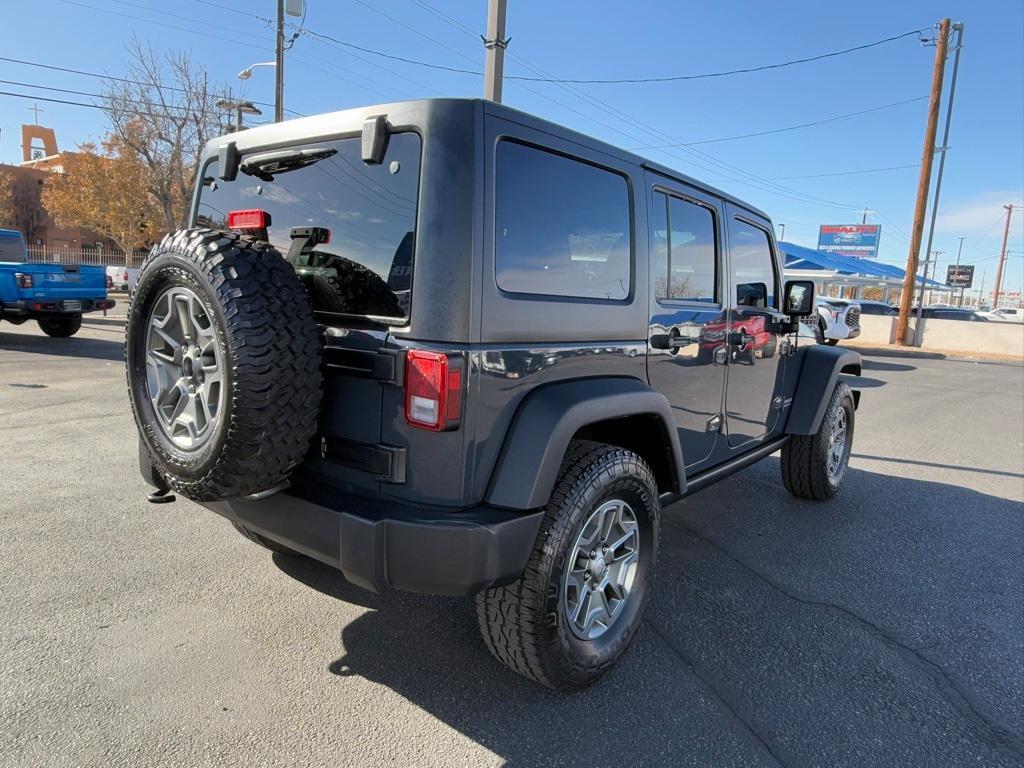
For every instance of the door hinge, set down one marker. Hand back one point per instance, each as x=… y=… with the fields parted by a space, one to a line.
x=714 y=424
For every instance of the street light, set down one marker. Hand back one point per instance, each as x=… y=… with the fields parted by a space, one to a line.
x=246 y=73
x=241 y=108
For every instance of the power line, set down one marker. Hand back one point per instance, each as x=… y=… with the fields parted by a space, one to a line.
x=823 y=121
x=726 y=73
x=845 y=173
x=110 y=77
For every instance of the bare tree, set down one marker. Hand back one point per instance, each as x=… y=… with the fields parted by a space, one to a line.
x=165 y=118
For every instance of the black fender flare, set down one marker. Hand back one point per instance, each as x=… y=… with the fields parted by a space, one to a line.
x=819 y=372
x=546 y=421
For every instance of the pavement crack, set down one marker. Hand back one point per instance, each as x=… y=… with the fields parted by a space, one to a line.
x=734 y=708
x=959 y=696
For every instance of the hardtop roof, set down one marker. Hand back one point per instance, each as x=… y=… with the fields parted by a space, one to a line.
x=351 y=119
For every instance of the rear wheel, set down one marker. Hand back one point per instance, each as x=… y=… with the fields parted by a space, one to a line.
x=60 y=327
x=582 y=597
x=813 y=466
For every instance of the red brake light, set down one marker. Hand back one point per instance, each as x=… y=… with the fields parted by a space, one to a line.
x=251 y=219
x=22 y=280
x=433 y=390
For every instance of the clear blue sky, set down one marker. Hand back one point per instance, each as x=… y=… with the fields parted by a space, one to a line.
x=604 y=39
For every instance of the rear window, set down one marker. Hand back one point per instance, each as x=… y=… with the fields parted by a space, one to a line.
x=12 y=245
x=562 y=226
x=367 y=212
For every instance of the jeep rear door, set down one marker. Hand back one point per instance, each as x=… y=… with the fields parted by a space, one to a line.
x=687 y=285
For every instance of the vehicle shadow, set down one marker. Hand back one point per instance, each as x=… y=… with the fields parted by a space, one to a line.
x=76 y=346
x=771 y=625
x=868 y=364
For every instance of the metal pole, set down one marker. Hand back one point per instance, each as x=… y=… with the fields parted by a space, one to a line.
x=981 y=289
x=782 y=235
x=924 y=181
x=495 y=43
x=958 y=27
x=279 y=66
x=959 y=250
x=1002 y=259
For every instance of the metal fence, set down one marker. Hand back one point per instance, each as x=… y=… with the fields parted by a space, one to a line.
x=95 y=256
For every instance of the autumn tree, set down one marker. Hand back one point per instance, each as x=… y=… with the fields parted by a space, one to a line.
x=20 y=204
x=106 y=190
x=164 y=110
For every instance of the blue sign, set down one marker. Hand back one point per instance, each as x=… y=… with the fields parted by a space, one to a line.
x=850 y=239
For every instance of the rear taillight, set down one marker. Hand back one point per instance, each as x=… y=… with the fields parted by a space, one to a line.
x=22 y=280
x=109 y=282
x=433 y=390
x=250 y=219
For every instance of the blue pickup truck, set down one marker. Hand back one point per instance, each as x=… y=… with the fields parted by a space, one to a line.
x=54 y=295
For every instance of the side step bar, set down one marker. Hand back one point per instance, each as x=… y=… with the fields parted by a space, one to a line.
x=714 y=474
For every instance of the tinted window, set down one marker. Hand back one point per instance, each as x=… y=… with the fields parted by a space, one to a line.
x=562 y=227
x=752 y=265
x=12 y=245
x=684 y=255
x=369 y=212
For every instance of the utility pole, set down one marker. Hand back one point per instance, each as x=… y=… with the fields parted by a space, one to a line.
x=956 y=271
x=981 y=289
x=782 y=234
x=1002 y=258
x=864 y=218
x=924 y=181
x=279 y=66
x=495 y=43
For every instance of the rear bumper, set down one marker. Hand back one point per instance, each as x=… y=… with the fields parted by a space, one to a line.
x=380 y=544
x=48 y=307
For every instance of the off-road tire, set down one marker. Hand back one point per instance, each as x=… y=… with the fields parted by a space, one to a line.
x=60 y=327
x=268 y=337
x=523 y=623
x=804 y=460
x=263 y=541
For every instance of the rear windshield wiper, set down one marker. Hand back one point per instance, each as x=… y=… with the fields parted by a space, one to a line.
x=265 y=165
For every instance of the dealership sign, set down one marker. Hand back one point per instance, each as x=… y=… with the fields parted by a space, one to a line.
x=960 y=275
x=850 y=239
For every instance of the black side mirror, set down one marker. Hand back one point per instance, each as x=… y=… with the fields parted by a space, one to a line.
x=799 y=298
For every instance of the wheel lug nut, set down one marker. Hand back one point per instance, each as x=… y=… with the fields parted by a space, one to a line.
x=593 y=553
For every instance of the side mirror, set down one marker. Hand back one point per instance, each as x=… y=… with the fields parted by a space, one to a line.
x=799 y=298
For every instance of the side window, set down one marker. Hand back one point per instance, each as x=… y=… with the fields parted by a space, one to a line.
x=562 y=226
x=752 y=265
x=685 y=253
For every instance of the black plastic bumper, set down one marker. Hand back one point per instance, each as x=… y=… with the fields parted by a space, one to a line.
x=50 y=307
x=380 y=544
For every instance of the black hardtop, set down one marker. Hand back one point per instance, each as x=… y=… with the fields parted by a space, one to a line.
x=416 y=112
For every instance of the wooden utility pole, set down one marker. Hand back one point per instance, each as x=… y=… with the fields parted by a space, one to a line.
x=925 y=180
x=1002 y=258
x=495 y=43
x=279 y=65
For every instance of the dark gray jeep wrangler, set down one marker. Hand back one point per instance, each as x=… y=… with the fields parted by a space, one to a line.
x=447 y=347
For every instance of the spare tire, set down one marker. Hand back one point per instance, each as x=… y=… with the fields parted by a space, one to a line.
x=223 y=363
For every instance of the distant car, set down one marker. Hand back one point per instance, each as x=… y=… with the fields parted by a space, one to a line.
x=876 y=308
x=837 y=319
x=950 y=313
x=1006 y=314
x=122 y=278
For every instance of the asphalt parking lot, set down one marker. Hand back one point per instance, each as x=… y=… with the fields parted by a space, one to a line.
x=885 y=628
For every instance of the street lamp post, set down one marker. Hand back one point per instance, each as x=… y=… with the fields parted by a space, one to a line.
x=240 y=107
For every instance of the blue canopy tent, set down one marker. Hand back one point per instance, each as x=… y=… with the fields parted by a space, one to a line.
x=846 y=271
